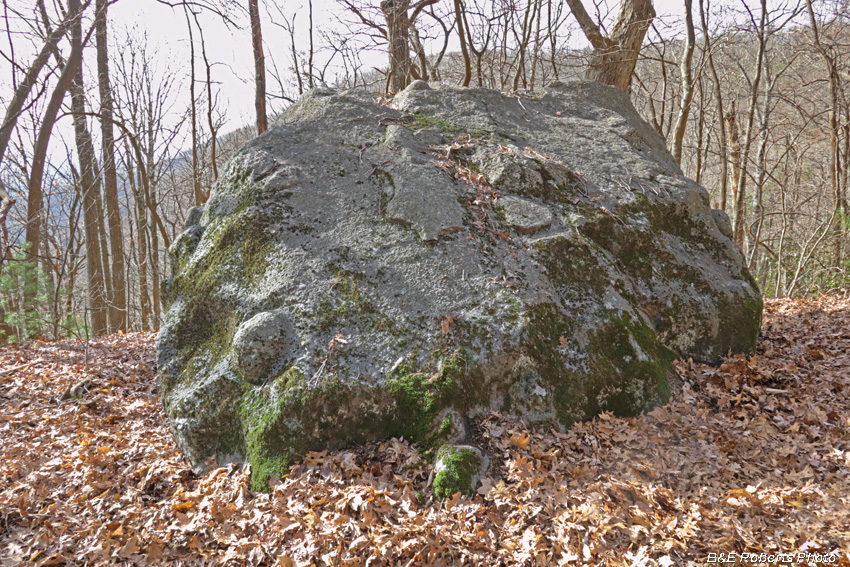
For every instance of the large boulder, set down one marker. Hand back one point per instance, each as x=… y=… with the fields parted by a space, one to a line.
x=368 y=269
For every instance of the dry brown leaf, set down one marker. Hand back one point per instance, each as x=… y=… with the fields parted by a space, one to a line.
x=747 y=456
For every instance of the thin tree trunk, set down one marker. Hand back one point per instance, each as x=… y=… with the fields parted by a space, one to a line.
x=35 y=199
x=104 y=246
x=259 y=67
x=149 y=192
x=141 y=245
x=527 y=24
x=210 y=107
x=761 y=161
x=834 y=152
x=740 y=203
x=75 y=9
x=118 y=305
x=703 y=140
x=718 y=95
x=460 y=16
x=687 y=85
x=155 y=271
x=731 y=119
x=196 y=175
x=311 y=52
x=90 y=189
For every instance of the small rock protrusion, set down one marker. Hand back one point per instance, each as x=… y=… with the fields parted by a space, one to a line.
x=523 y=215
x=193 y=217
x=419 y=85
x=724 y=224
x=261 y=341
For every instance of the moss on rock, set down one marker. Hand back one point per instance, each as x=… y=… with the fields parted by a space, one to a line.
x=457 y=471
x=302 y=318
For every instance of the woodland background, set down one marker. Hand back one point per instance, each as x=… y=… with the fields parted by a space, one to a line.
x=105 y=148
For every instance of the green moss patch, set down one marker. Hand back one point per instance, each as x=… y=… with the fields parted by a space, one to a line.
x=420 y=121
x=630 y=368
x=286 y=418
x=460 y=467
x=419 y=396
x=625 y=368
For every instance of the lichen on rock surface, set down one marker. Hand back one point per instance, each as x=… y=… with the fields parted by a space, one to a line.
x=364 y=271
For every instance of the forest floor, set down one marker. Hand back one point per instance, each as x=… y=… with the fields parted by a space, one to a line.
x=752 y=457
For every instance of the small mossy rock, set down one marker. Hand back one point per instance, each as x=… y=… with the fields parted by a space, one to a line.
x=364 y=271
x=458 y=468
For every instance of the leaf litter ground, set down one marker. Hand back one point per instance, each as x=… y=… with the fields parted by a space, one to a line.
x=752 y=457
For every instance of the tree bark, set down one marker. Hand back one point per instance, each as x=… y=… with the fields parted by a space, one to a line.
x=832 y=71
x=200 y=198
x=90 y=189
x=259 y=66
x=734 y=142
x=395 y=12
x=740 y=202
x=615 y=56
x=687 y=85
x=141 y=243
x=460 y=16
x=118 y=306
x=718 y=95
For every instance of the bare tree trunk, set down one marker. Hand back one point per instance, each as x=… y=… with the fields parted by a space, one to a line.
x=141 y=242
x=761 y=163
x=196 y=174
x=312 y=50
x=104 y=245
x=155 y=271
x=522 y=48
x=834 y=151
x=210 y=107
x=615 y=56
x=718 y=95
x=398 y=24
x=535 y=54
x=259 y=66
x=687 y=85
x=419 y=50
x=731 y=119
x=460 y=17
x=703 y=140
x=90 y=189
x=149 y=191
x=118 y=305
x=6 y=203
x=142 y=226
x=740 y=203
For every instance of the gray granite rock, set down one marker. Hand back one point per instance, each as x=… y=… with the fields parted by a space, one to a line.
x=523 y=215
x=363 y=271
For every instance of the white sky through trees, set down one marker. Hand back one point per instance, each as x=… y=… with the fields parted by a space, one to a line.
x=228 y=49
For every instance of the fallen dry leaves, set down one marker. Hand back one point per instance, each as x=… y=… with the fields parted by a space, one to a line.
x=752 y=456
